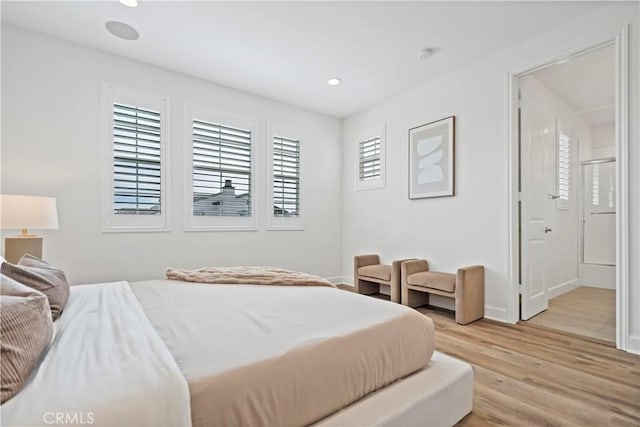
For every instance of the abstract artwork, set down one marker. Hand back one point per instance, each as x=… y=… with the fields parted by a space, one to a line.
x=432 y=159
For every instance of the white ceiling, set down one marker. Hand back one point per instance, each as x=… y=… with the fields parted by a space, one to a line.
x=586 y=83
x=287 y=50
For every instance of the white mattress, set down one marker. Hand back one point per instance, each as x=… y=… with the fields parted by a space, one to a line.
x=437 y=396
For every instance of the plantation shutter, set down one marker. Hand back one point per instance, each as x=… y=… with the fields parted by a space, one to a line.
x=564 y=165
x=595 y=185
x=369 y=159
x=286 y=177
x=137 y=177
x=221 y=170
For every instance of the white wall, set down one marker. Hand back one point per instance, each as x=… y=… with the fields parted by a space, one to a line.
x=604 y=141
x=472 y=227
x=51 y=111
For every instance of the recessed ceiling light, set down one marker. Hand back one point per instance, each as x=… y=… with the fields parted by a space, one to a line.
x=129 y=3
x=334 y=81
x=122 y=30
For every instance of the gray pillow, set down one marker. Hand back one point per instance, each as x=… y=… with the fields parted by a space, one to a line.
x=25 y=332
x=41 y=276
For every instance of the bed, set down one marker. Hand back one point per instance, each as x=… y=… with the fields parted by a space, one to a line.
x=236 y=355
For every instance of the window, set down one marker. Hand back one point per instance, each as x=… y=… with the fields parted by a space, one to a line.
x=136 y=172
x=220 y=172
x=137 y=186
x=286 y=176
x=564 y=156
x=369 y=159
x=285 y=200
x=370 y=173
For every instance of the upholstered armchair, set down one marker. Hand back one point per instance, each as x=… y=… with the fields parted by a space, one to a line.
x=466 y=287
x=369 y=274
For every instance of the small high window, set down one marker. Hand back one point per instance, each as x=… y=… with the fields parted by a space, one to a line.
x=370 y=167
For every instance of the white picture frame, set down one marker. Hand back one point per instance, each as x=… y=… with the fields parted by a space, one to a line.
x=432 y=159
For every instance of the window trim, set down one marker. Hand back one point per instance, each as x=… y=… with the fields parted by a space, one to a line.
x=217 y=223
x=112 y=223
x=284 y=223
x=564 y=204
x=364 y=135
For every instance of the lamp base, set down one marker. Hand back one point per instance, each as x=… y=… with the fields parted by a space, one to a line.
x=16 y=246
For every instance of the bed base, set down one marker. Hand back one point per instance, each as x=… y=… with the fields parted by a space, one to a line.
x=439 y=395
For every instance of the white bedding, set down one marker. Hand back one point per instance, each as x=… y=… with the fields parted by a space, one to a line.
x=246 y=324
x=106 y=366
x=268 y=356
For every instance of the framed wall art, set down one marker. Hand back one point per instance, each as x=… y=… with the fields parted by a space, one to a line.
x=432 y=159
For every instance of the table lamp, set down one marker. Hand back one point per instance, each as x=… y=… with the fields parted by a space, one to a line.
x=22 y=213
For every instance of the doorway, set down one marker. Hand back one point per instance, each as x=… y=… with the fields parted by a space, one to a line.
x=567 y=140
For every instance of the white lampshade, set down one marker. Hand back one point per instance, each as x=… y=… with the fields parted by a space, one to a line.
x=22 y=212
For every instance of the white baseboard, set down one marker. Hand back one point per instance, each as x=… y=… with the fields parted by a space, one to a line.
x=442 y=302
x=347 y=280
x=498 y=314
x=562 y=288
x=336 y=280
x=597 y=276
x=633 y=344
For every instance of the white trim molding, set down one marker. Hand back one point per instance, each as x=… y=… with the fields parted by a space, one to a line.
x=499 y=314
x=122 y=223
x=336 y=280
x=623 y=303
x=633 y=345
x=562 y=288
x=348 y=280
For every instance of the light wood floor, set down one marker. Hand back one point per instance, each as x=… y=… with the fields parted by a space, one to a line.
x=583 y=312
x=526 y=376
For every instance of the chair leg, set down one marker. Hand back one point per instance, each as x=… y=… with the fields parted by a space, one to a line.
x=365 y=287
x=469 y=294
x=415 y=298
x=469 y=309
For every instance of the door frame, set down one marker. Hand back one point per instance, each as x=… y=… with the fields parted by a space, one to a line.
x=620 y=42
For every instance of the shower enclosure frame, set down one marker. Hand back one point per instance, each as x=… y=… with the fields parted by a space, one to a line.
x=582 y=218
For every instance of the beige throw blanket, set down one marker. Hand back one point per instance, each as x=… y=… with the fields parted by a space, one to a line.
x=247 y=276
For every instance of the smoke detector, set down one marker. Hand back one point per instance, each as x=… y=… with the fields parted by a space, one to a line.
x=425 y=54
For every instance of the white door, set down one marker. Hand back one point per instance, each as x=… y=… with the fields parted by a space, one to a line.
x=534 y=136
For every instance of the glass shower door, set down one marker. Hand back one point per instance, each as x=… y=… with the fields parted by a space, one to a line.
x=599 y=209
